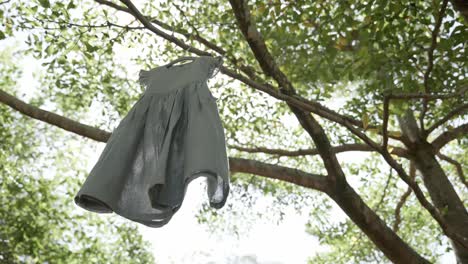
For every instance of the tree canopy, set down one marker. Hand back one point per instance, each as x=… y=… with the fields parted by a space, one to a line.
x=383 y=78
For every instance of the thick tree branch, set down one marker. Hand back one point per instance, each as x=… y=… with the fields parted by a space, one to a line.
x=53 y=119
x=448 y=136
x=449 y=211
x=458 y=110
x=344 y=195
x=301 y=152
x=426 y=97
x=258 y=46
x=337 y=181
x=298 y=177
x=270 y=68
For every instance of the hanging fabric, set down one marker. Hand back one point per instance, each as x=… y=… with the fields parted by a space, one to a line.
x=172 y=135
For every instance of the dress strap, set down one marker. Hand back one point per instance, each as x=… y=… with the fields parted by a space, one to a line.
x=214 y=66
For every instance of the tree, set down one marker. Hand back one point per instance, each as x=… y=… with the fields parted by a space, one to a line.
x=400 y=68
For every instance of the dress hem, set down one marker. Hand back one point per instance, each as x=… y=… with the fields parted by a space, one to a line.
x=91 y=202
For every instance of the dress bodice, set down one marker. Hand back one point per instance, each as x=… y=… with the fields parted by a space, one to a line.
x=165 y=79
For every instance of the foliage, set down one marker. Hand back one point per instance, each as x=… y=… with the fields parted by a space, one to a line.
x=39 y=221
x=345 y=54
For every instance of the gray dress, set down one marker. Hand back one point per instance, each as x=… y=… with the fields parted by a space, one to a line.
x=172 y=135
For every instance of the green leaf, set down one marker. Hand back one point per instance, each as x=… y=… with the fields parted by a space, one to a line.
x=71 y=5
x=394 y=133
x=365 y=120
x=90 y=48
x=44 y=3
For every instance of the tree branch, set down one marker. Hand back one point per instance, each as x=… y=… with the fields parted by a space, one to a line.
x=298 y=177
x=113 y=5
x=53 y=119
x=269 y=66
x=428 y=96
x=249 y=71
x=430 y=59
x=385 y=122
x=137 y=14
x=457 y=165
x=335 y=174
x=434 y=179
x=402 y=201
x=458 y=110
x=424 y=96
x=258 y=46
x=448 y=136
x=301 y=152
x=295 y=100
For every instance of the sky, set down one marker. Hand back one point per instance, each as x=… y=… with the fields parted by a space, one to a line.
x=183 y=240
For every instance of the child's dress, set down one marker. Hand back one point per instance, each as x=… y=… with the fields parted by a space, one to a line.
x=172 y=135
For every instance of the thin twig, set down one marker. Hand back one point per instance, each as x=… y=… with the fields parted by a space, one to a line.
x=385 y=122
x=384 y=194
x=427 y=96
x=430 y=58
x=186 y=18
x=401 y=152
x=403 y=199
x=457 y=165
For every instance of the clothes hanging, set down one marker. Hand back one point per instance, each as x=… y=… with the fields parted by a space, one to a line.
x=172 y=135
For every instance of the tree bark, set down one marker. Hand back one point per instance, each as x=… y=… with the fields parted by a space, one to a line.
x=443 y=195
x=440 y=189
x=462 y=7
x=375 y=228
x=393 y=247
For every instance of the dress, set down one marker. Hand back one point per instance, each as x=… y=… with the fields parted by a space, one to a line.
x=172 y=135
